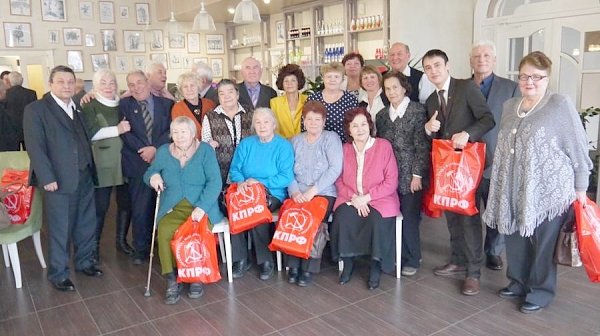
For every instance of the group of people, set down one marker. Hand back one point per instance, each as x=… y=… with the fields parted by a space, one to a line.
x=363 y=143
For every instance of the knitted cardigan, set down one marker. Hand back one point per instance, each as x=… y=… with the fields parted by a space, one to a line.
x=539 y=163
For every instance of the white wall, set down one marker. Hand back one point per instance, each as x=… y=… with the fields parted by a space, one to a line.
x=435 y=24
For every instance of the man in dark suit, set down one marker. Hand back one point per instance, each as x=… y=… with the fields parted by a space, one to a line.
x=496 y=91
x=17 y=97
x=205 y=77
x=8 y=138
x=457 y=111
x=398 y=58
x=252 y=92
x=149 y=117
x=62 y=166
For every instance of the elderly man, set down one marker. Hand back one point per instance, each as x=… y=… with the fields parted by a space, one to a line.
x=4 y=78
x=62 y=167
x=205 y=76
x=149 y=117
x=496 y=91
x=458 y=112
x=398 y=58
x=17 y=97
x=252 y=92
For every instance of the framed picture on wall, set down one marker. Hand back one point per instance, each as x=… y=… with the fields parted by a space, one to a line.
x=20 y=7
x=54 y=10
x=99 y=61
x=72 y=36
x=109 y=42
x=53 y=36
x=279 y=32
x=214 y=44
x=134 y=41
x=176 y=60
x=17 y=34
x=200 y=59
x=123 y=12
x=139 y=62
x=177 y=40
x=193 y=42
x=75 y=60
x=156 y=40
x=90 y=40
x=216 y=64
x=86 y=10
x=160 y=58
x=107 y=11
x=142 y=13
x=121 y=64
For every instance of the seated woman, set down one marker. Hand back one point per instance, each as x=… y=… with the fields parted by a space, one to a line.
x=288 y=108
x=187 y=173
x=317 y=164
x=367 y=203
x=192 y=106
x=265 y=158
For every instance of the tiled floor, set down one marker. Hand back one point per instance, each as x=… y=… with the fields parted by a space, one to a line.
x=422 y=305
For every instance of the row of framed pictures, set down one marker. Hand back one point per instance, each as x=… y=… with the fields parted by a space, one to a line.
x=56 y=10
x=18 y=35
x=122 y=62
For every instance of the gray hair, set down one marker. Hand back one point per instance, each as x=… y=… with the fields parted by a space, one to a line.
x=186 y=76
x=136 y=72
x=267 y=111
x=183 y=120
x=484 y=43
x=15 y=78
x=202 y=70
x=97 y=78
x=153 y=66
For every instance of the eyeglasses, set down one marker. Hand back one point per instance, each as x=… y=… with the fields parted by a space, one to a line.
x=535 y=78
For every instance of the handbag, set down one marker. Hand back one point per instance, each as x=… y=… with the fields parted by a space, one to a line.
x=5 y=220
x=321 y=239
x=587 y=215
x=18 y=202
x=566 y=251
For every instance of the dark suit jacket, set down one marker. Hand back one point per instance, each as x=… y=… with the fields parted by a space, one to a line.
x=51 y=145
x=212 y=95
x=129 y=108
x=264 y=97
x=17 y=97
x=467 y=111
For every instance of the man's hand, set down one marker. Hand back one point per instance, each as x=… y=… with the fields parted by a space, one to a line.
x=459 y=140
x=87 y=98
x=147 y=153
x=433 y=125
x=53 y=186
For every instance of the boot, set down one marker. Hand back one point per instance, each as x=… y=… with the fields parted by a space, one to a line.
x=173 y=289
x=374 y=275
x=347 y=271
x=123 y=220
x=96 y=253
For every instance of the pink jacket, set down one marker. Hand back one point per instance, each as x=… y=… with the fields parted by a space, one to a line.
x=380 y=178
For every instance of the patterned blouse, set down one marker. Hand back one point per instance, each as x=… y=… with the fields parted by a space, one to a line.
x=336 y=111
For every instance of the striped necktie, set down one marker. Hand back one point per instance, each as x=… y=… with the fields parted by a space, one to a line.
x=147 y=119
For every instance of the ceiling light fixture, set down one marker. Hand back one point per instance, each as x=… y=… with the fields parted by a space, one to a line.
x=246 y=12
x=267 y=2
x=173 y=25
x=203 y=20
x=231 y=10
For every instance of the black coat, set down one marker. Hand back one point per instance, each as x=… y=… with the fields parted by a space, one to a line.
x=17 y=97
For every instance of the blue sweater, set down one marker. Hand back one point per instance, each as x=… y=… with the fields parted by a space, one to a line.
x=199 y=181
x=270 y=163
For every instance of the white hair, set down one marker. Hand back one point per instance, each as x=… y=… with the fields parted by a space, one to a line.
x=101 y=73
x=267 y=111
x=15 y=78
x=202 y=70
x=153 y=66
x=484 y=43
x=183 y=120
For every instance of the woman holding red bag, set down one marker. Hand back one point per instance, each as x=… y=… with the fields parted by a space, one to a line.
x=187 y=174
x=541 y=165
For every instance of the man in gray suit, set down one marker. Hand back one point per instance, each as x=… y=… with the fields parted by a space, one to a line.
x=252 y=92
x=496 y=91
x=457 y=111
x=62 y=166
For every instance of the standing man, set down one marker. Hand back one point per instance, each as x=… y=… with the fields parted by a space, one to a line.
x=458 y=112
x=398 y=58
x=8 y=138
x=496 y=91
x=205 y=77
x=63 y=168
x=4 y=78
x=252 y=92
x=17 y=97
x=149 y=117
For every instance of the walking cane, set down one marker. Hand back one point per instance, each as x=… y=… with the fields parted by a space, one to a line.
x=147 y=293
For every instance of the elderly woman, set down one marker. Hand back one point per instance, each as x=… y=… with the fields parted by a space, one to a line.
x=353 y=63
x=265 y=158
x=288 y=108
x=187 y=173
x=101 y=117
x=336 y=100
x=402 y=123
x=318 y=163
x=367 y=202
x=371 y=95
x=541 y=164
x=192 y=105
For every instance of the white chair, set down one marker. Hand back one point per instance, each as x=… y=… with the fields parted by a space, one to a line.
x=222 y=228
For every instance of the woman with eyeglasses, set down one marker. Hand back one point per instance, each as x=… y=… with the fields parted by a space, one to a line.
x=541 y=165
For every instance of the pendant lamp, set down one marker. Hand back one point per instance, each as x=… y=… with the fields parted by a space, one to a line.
x=203 y=21
x=246 y=12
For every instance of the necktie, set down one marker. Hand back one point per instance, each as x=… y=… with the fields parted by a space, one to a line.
x=147 y=119
x=443 y=108
x=254 y=95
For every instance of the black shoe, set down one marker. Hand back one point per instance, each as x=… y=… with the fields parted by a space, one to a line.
x=374 y=275
x=173 y=289
x=123 y=222
x=506 y=293
x=92 y=271
x=494 y=262
x=196 y=290
x=347 y=271
x=139 y=258
x=529 y=308
x=305 y=279
x=240 y=268
x=266 y=270
x=293 y=275
x=65 y=285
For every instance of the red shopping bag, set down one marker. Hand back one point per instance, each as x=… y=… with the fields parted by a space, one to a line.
x=195 y=252
x=456 y=175
x=297 y=226
x=18 y=204
x=428 y=206
x=247 y=209
x=587 y=217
